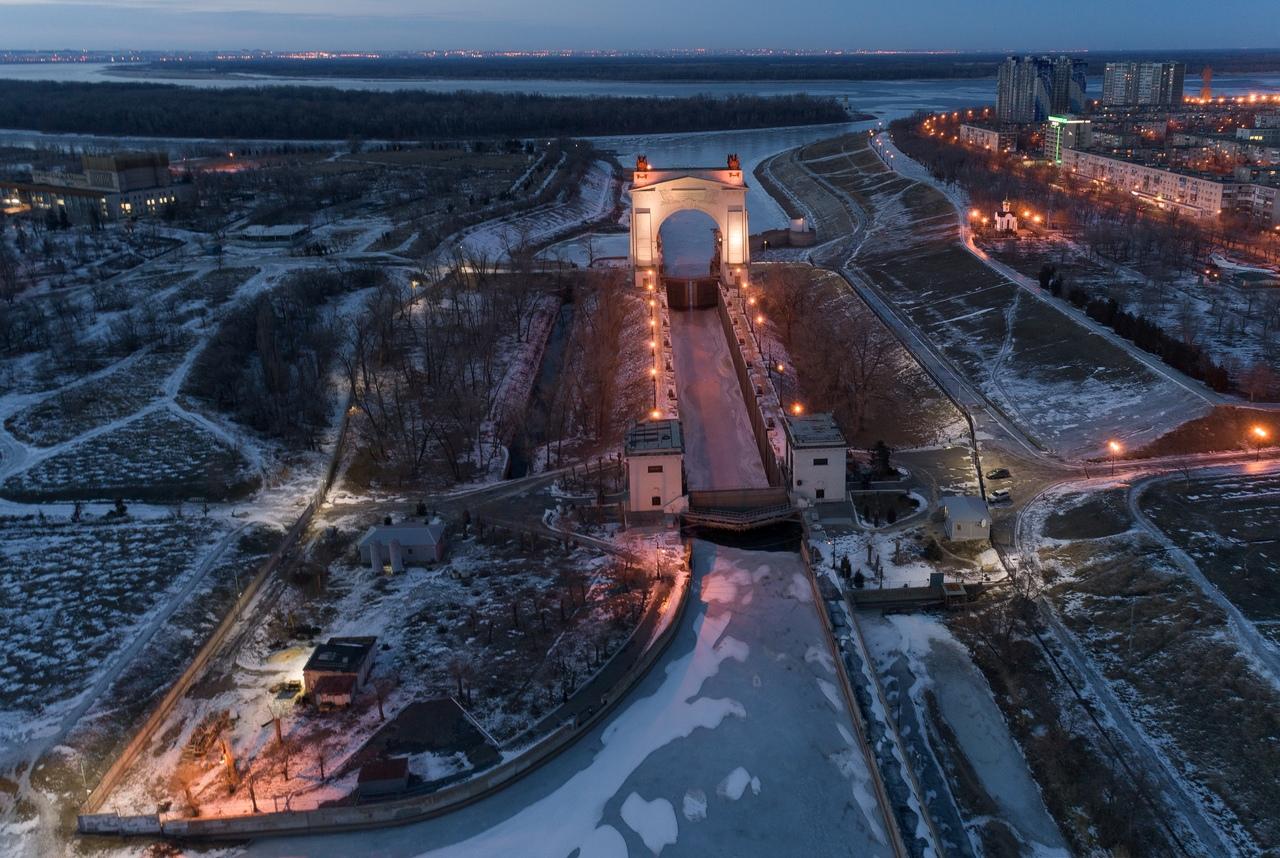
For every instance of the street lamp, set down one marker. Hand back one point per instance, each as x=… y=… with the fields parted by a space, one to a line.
x=1114 y=448
x=1261 y=435
x=797 y=409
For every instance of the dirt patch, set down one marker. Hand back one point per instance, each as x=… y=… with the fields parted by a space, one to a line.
x=1094 y=516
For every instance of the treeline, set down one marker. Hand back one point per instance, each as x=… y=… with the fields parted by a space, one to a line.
x=268 y=364
x=1187 y=358
x=698 y=68
x=320 y=113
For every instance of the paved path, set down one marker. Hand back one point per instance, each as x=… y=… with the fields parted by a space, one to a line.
x=1261 y=652
x=720 y=449
x=1141 y=751
x=910 y=169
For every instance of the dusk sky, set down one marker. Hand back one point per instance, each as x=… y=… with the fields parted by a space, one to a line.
x=577 y=24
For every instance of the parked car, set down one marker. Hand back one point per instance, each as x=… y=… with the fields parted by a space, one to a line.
x=999 y=474
x=1000 y=496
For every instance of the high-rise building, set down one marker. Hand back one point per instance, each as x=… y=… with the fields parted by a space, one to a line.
x=1143 y=83
x=1028 y=89
x=1067 y=83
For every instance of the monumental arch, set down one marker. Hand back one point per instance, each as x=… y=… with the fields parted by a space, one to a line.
x=656 y=194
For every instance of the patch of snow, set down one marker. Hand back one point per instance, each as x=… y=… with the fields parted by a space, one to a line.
x=654 y=821
x=695 y=805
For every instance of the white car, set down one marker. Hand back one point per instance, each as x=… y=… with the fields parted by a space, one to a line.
x=999 y=496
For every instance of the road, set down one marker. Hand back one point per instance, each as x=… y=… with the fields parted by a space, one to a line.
x=908 y=168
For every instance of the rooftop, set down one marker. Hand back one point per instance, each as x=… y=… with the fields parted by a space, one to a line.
x=340 y=655
x=655 y=436
x=406 y=532
x=814 y=430
x=966 y=508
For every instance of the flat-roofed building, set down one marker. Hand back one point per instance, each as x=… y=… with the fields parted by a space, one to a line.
x=654 y=452
x=1198 y=195
x=992 y=137
x=108 y=187
x=1143 y=83
x=1065 y=132
x=816 y=450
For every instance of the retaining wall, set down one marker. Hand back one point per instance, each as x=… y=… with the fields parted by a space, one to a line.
x=759 y=428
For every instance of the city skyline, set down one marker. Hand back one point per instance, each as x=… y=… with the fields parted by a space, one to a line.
x=575 y=24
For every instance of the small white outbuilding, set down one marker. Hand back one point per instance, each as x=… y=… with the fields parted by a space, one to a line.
x=655 y=465
x=965 y=517
x=816 y=451
x=397 y=545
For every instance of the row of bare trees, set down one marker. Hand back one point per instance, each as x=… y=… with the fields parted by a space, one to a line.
x=426 y=364
x=842 y=355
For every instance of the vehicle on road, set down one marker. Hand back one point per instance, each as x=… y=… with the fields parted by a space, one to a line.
x=1000 y=496
x=999 y=474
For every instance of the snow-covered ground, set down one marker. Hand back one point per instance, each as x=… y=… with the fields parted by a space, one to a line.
x=720 y=449
x=492 y=240
x=916 y=654
x=730 y=746
x=600 y=247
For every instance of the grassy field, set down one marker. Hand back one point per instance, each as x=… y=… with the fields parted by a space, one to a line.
x=70 y=594
x=1230 y=527
x=1167 y=654
x=1071 y=389
x=82 y=407
x=127 y=461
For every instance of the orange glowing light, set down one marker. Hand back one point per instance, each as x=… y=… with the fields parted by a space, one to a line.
x=1114 y=447
x=1259 y=433
x=797 y=409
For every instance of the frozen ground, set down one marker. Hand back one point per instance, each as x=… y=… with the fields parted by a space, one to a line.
x=917 y=656
x=492 y=240
x=730 y=746
x=720 y=450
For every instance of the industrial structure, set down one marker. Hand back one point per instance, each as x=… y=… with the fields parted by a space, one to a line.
x=116 y=186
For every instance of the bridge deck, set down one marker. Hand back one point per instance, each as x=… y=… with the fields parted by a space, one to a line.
x=720 y=449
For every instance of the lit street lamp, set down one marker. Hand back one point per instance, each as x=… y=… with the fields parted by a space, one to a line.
x=1260 y=435
x=1114 y=449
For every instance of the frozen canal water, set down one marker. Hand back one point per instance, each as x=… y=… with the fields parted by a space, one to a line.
x=915 y=654
x=734 y=744
x=720 y=451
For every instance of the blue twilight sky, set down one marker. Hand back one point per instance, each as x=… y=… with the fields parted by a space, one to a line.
x=640 y=24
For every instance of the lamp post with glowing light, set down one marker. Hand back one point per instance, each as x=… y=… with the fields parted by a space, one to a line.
x=1259 y=435
x=1113 y=450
